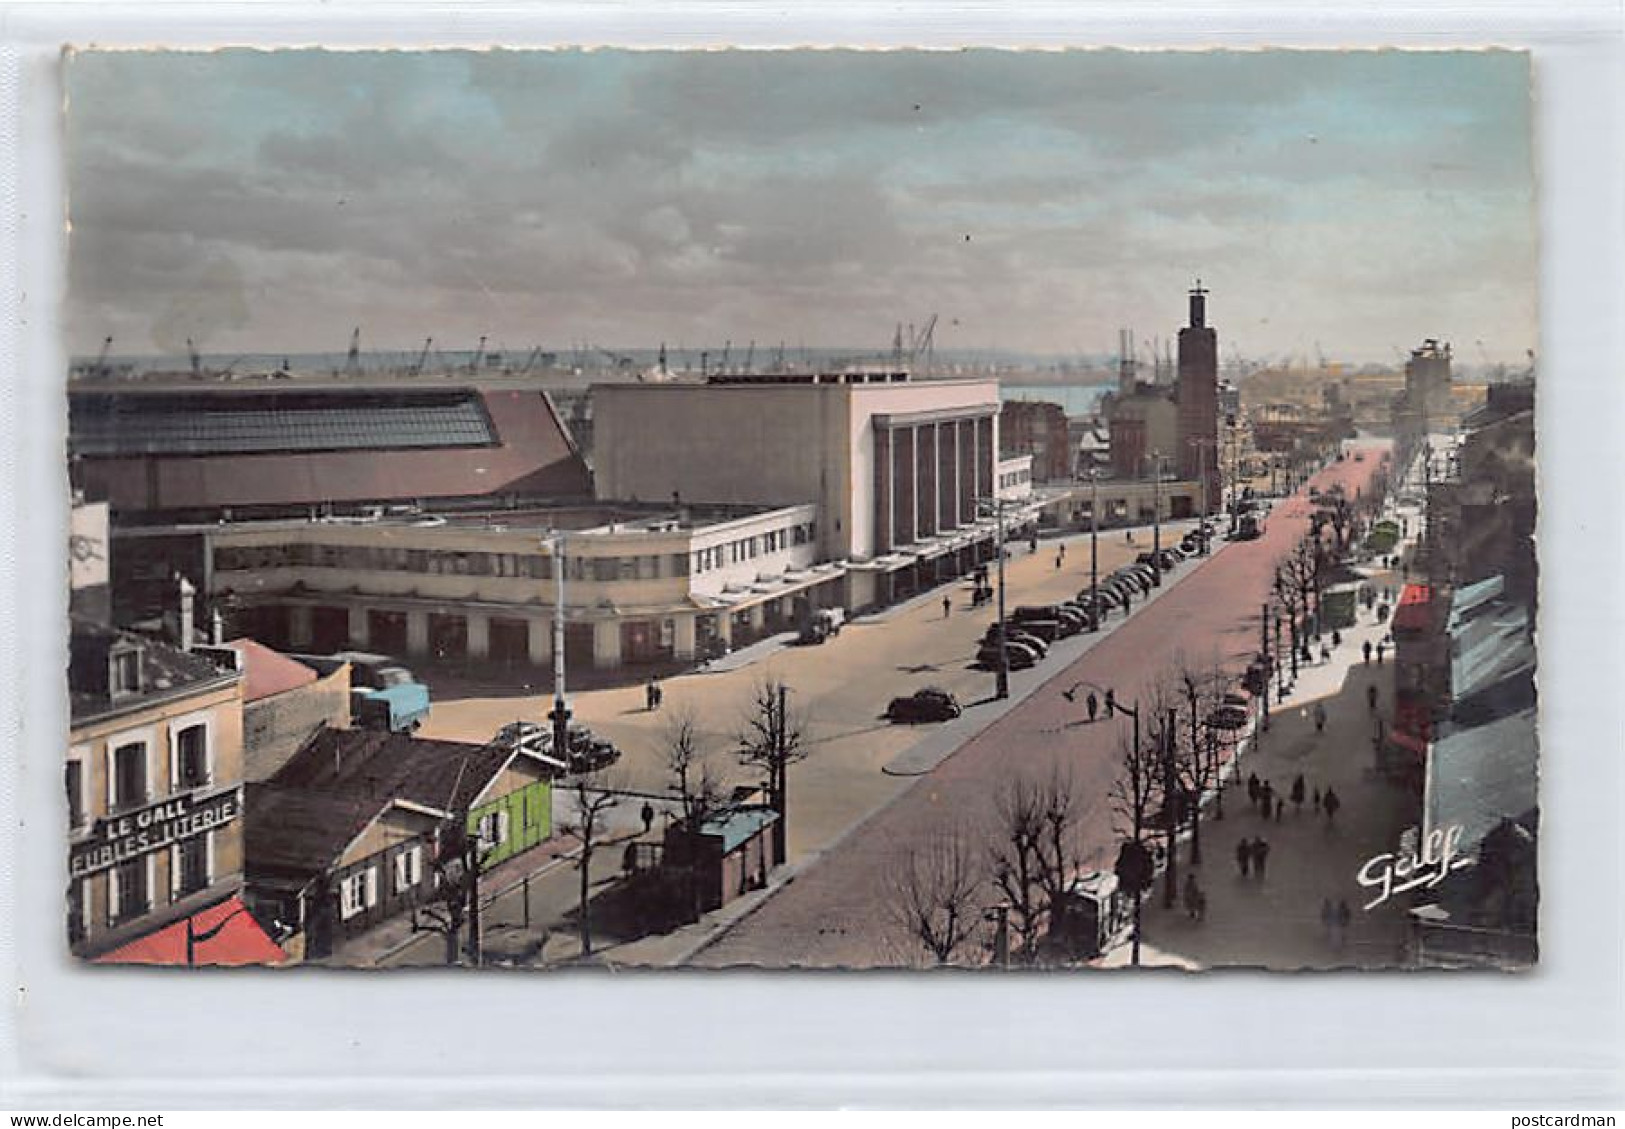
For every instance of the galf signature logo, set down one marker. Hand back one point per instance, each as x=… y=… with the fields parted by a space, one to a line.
x=1414 y=865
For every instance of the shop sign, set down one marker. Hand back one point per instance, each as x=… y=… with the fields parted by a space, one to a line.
x=119 y=838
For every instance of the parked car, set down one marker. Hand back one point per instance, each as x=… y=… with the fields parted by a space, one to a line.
x=1048 y=630
x=383 y=693
x=929 y=704
x=822 y=624
x=1017 y=634
x=536 y=740
x=1016 y=653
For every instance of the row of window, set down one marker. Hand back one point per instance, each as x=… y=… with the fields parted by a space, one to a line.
x=358 y=891
x=445 y=562
x=130 y=884
x=1015 y=477
x=749 y=548
x=130 y=769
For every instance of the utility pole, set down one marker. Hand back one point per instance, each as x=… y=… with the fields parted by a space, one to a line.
x=1156 y=518
x=1094 y=549
x=1001 y=685
x=1265 y=631
x=561 y=710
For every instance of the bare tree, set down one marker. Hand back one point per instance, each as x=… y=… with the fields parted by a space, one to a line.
x=1034 y=856
x=594 y=798
x=772 y=740
x=698 y=788
x=1133 y=796
x=1195 y=760
x=933 y=895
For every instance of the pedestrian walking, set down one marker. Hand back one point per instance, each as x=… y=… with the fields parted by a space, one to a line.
x=1063 y=551
x=947 y=606
x=660 y=695
x=1059 y=557
x=1280 y=806
x=1331 y=803
x=1317 y=799
x=1297 y=791
x=1094 y=705
x=1192 y=898
x=1320 y=717
x=1111 y=703
x=1252 y=789
x=1266 y=796
x=649 y=695
x=1244 y=856
x=1371 y=697
x=1337 y=638
x=1381 y=647
x=1261 y=855
x=1367 y=649
x=648 y=816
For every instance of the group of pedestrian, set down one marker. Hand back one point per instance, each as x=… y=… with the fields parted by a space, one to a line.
x=1252 y=856
x=1263 y=797
x=653 y=695
x=1335 y=918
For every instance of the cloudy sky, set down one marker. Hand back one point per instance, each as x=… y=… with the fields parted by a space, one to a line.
x=1035 y=201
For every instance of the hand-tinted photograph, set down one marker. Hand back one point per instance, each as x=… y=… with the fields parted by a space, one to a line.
x=801 y=509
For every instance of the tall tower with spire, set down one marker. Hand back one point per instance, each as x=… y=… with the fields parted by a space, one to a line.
x=1198 y=397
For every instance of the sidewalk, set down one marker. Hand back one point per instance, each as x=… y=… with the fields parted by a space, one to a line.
x=1276 y=920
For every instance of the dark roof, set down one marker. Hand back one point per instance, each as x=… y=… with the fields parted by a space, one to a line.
x=202 y=423
x=303 y=817
x=166 y=671
x=198 y=451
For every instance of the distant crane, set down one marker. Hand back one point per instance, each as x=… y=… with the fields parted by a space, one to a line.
x=197 y=362
x=923 y=346
x=100 y=366
x=352 y=361
x=530 y=361
x=417 y=369
x=727 y=347
x=479 y=354
x=778 y=358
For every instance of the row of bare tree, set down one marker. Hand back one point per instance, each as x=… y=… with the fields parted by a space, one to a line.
x=1017 y=870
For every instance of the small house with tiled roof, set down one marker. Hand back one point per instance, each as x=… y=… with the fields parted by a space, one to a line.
x=344 y=835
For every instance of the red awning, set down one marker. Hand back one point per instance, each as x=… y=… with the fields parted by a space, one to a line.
x=240 y=941
x=1413 y=613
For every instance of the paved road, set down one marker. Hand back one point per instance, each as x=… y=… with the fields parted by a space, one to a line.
x=836 y=912
x=840 y=688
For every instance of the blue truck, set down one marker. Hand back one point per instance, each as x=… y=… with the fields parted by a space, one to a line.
x=383 y=693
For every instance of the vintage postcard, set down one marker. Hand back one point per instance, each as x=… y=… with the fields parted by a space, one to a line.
x=830 y=509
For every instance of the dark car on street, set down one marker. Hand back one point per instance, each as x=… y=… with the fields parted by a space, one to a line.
x=1018 y=654
x=929 y=704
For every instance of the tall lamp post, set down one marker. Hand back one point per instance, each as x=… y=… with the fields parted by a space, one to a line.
x=1156 y=518
x=1094 y=549
x=561 y=709
x=1139 y=893
x=1001 y=684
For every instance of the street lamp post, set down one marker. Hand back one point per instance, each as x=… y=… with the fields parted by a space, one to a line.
x=561 y=710
x=1094 y=549
x=1156 y=518
x=1139 y=894
x=1001 y=684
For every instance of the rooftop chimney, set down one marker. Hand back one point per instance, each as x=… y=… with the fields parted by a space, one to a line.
x=187 y=593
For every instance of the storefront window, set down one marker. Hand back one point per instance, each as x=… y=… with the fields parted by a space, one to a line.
x=130 y=896
x=130 y=775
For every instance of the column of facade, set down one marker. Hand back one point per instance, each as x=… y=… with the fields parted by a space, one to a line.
x=947 y=477
x=926 y=461
x=479 y=635
x=606 y=644
x=417 y=632
x=884 y=489
x=965 y=449
x=359 y=633
x=540 y=639
x=300 y=626
x=683 y=637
